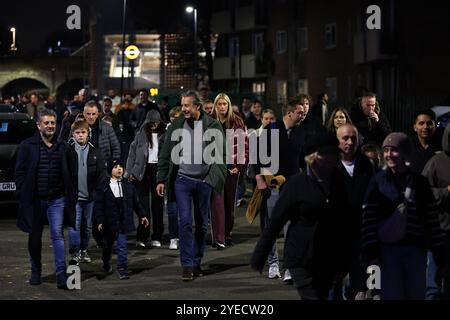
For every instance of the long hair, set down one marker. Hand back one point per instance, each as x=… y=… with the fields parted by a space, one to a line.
x=330 y=123
x=160 y=129
x=229 y=116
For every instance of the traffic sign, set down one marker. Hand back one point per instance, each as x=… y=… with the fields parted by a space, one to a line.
x=132 y=52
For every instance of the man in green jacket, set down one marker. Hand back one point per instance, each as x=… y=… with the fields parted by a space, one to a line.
x=189 y=170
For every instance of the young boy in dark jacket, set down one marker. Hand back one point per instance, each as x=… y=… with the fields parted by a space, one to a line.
x=114 y=204
x=90 y=171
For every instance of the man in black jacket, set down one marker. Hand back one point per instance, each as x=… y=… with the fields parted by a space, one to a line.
x=371 y=123
x=288 y=148
x=90 y=170
x=139 y=113
x=45 y=187
x=357 y=171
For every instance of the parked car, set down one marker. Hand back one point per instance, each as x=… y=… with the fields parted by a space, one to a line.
x=7 y=108
x=442 y=115
x=14 y=128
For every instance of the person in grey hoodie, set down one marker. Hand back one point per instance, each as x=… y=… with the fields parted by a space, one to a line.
x=437 y=171
x=141 y=170
x=91 y=171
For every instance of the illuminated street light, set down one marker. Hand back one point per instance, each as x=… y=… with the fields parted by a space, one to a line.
x=189 y=10
x=13 y=45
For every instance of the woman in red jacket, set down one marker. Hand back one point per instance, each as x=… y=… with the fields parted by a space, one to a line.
x=223 y=204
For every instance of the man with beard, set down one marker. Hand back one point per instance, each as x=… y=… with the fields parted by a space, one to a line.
x=46 y=188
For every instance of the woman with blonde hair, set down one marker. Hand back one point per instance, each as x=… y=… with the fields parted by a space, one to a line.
x=223 y=204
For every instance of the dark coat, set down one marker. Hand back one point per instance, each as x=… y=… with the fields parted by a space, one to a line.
x=371 y=132
x=356 y=187
x=96 y=170
x=423 y=230
x=317 y=238
x=107 y=212
x=26 y=176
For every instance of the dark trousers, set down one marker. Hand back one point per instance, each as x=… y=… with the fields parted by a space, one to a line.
x=310 y=283
x=121 y=249
x=146 y=190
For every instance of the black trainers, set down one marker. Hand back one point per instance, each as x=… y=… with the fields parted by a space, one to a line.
x=218 y=245
x=197 y=272
x=107 y=268
x=123 y=274
x=35 y=279
x=75 y=260
x=187 y=274
x=61 y=281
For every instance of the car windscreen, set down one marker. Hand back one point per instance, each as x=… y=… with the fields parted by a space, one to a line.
x=14 y=131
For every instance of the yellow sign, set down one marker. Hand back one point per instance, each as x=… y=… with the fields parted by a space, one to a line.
x=132 y=52
x=154 y=92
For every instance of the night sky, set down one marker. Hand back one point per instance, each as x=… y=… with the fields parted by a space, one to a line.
x=38 y=23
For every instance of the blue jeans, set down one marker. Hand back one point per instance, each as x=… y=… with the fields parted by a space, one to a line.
x=54 y=209
x=192 y=246
x=121 y=249
x=270 y=197
x=403 y=272
x=79 y=238
x=172 y=215
x=433 y=289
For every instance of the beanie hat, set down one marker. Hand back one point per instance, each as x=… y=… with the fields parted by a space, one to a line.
x=401 y=141
x=322 y=143
x=114 y=163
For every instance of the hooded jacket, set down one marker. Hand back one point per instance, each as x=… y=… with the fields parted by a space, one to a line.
x=437 y=171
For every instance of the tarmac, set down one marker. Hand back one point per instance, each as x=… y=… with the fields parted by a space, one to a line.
x=155 y=273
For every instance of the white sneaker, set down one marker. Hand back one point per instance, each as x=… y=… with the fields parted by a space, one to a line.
x=85 y=257
x=274 y=271
x=173 y=244
x=156 y=243
x=140 y=244
x=287 y=276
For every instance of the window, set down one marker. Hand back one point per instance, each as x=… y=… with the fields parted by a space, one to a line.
x=302 y=39
x=330 y=35
x=259 y=87
x=302 y=86
x=281 y=41
x=258 y=45
x=331 y=88
x=281 y=91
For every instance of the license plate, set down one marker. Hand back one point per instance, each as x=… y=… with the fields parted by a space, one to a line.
x=7 y=186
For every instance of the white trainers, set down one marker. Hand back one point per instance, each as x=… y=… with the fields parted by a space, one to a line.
x=156 y=243
x=274 y=271
x=140 y=244
x=287 y=276
x=173 y=244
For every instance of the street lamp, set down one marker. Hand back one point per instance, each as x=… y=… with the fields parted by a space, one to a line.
x=190 y=10
x=13 y=45
x=124 y=13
